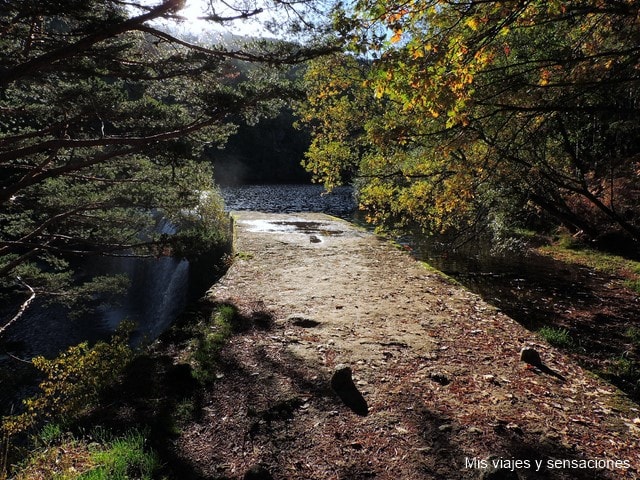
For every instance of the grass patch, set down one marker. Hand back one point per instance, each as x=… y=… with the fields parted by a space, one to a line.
x=183 y=413
x=633 y=334
x=122 y=458
x=633 y=284
x=569 y=250
x=210 y=341
x=627 y=370
x=558 y=337
x=244 y=255
x=444 y=276
x=50 y=433
x=100 y=456
x=568 y=242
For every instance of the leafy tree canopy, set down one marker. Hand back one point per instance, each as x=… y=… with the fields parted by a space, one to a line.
x=103 y=116
x=461 y=113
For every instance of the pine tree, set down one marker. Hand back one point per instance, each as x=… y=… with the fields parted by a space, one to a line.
x=103 y=116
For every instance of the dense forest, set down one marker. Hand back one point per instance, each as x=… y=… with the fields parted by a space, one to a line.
x=268 y=152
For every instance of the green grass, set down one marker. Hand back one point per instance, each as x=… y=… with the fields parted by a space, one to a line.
x=525 y=233
x=568 y=242
x=182 y=414
x=98 y=456
x=558 y=337
x=210 y=341
x=50 y=433
x=633 y=284
x=123 y=458
x=567 y=249
x=633 y=334
x=244 y=255
x=626 y=369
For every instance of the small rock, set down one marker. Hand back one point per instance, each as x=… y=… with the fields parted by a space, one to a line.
x=342 y=384
x=314 y=239
x=302 y=321
x=440 y=378
x=495 y=472
x=257 y=472
x=445 y=428
x=531 y=356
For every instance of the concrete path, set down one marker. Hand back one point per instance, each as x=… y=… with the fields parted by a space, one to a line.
x=438 y=367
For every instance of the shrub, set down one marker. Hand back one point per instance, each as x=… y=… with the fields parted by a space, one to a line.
x=73 y=381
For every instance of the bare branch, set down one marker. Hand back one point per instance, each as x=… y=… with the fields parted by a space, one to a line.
x=290 y=59
x=240 y=16
x=23 y=307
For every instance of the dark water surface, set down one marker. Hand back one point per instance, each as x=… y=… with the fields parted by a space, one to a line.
x=525 y=285
x=290 y=198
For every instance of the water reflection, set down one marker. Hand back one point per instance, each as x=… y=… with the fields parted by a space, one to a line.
x=526 y=286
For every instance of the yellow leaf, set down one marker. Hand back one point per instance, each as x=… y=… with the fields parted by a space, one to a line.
x=397 y=36
x=472 y=23
x=544 y=77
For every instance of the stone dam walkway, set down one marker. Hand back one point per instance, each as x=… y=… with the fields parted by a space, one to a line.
x=445 y=393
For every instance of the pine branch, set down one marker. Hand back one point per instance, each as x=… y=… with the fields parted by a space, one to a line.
x=23 y=307
x=43 y=62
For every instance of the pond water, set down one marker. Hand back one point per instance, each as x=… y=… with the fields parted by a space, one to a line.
x=290 y=199
x=525 y=285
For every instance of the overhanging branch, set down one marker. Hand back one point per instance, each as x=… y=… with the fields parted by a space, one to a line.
x=23 y=307
x=43 y=62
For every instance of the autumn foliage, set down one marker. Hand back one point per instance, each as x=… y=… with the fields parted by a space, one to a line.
x=457 y=113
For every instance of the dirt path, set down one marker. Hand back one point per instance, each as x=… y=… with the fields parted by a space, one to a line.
x=438 y=368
